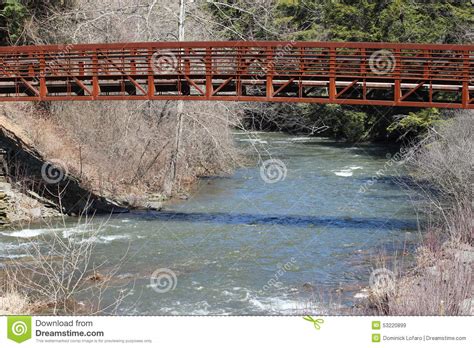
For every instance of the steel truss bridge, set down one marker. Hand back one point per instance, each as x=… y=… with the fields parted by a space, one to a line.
x=386 y=74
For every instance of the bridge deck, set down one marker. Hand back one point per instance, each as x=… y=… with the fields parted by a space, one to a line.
x=315 y=72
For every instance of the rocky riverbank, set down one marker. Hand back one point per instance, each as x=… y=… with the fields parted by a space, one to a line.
x=3 y=209
x=17 y=207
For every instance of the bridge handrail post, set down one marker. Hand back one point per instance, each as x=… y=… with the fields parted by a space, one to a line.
x=363 y=72
x=95 y=75
x=42 y=80
x=269 y=67
x=397 y=93
x=428 y=74
x=332 y=74
x=208 y=64
x=466 y=78
x=239 y=66
x=302 y=67
x=187 y=61
x=151 y=76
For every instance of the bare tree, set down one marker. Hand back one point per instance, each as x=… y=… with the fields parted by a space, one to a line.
x=58 y=273
x=134 y=148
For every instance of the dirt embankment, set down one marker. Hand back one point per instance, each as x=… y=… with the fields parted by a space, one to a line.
x=31 y=187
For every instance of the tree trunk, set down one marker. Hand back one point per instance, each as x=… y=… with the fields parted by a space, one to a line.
x=170 y=185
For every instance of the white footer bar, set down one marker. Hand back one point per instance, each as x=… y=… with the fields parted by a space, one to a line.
x=237 y=331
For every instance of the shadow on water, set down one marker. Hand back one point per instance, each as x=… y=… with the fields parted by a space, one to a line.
x=401 y=181
x=283 y=220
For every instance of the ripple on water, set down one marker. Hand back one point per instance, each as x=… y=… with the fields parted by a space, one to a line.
x=28 y=233
x=254 y=141
x=13 y=251
x=347 y=171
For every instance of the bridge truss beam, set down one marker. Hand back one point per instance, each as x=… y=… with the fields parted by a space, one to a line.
x=388 y=74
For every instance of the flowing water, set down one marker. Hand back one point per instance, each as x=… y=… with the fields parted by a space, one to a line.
x=245 y=245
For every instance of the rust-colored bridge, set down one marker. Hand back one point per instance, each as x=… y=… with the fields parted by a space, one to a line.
x=412 y=75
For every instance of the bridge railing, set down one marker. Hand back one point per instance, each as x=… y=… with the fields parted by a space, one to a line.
x=296 y=59
x=32 y=68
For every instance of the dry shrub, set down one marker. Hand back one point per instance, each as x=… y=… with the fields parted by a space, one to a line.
x=383 y=285
x=58 y=274
x=12 y=302
x=445 y=160
x=127 y=149
x=129 y=146
x=440 y=281
x=437 y=286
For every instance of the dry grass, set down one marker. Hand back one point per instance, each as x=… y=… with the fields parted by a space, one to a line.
x=445 y=160
x=14 y=303
x=437 y=286
x=126 y=148
x=440 y=282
